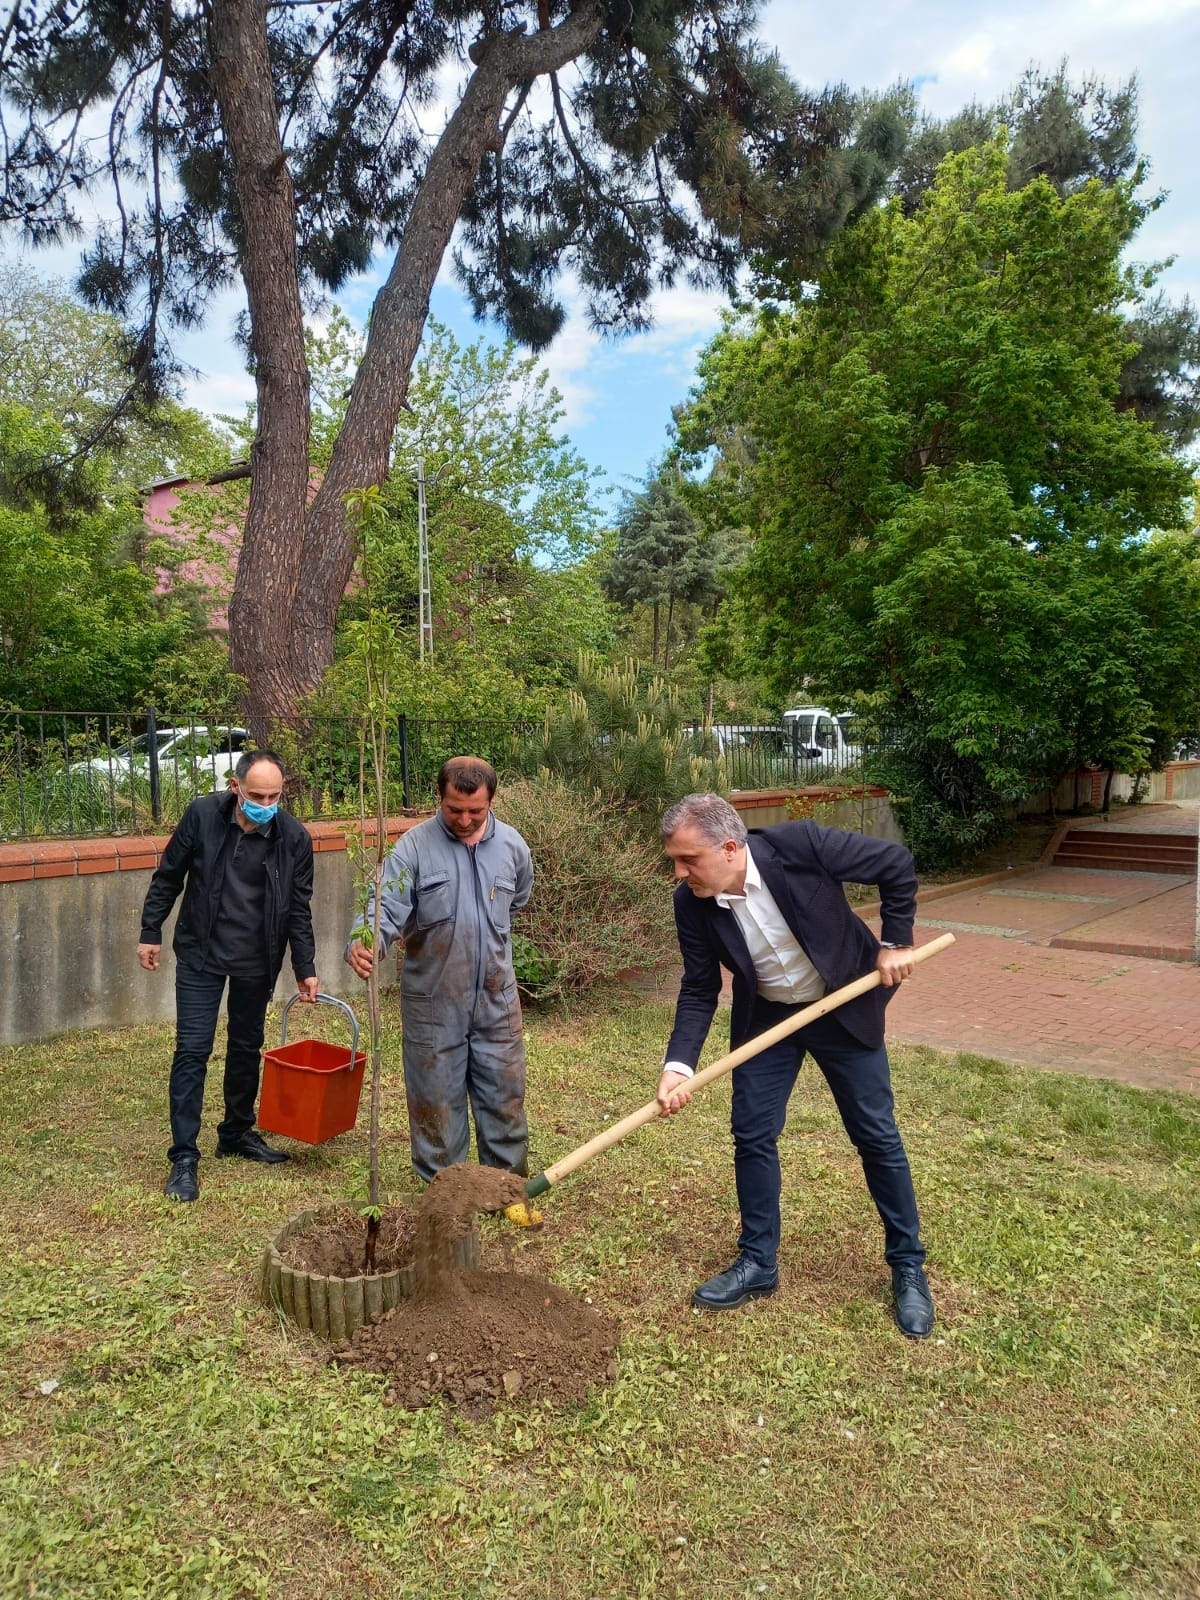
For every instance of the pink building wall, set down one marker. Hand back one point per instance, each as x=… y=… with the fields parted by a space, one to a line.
x=214 y=574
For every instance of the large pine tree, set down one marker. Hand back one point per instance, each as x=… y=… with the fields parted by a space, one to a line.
x=628 y=143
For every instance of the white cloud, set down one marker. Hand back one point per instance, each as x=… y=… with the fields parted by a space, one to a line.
x=225 y=390
x=960 y=53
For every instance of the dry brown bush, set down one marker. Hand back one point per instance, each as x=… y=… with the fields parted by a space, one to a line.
x=601 y=898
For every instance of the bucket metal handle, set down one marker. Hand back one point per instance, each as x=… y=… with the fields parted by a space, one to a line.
x=329 y=1000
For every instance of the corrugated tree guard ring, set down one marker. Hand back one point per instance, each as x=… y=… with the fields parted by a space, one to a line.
x=332 y=1307
x=310 y=1090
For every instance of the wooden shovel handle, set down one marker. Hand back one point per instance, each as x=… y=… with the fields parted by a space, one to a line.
x=647 y=1113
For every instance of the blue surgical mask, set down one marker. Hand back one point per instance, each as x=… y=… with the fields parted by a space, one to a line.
x=258 y=814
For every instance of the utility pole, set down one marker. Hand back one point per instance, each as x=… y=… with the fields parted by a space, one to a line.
x=425 y=592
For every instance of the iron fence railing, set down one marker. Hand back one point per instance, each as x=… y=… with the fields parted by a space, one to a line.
x=81 y=773
x=794 y=755
x=100 y=772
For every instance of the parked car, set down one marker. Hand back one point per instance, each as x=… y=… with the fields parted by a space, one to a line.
x=815 y=735
x=197 y=758
x=744 y=736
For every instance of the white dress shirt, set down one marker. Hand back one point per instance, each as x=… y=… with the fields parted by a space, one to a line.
x=784 y=972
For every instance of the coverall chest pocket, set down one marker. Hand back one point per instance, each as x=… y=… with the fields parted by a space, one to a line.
x=500 y=904
x=435 y=902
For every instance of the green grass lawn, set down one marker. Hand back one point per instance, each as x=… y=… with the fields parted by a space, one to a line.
x=1044 y=1443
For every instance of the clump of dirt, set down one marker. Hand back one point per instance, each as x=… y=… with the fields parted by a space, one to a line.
x=445 y=1214
x=479 y=1337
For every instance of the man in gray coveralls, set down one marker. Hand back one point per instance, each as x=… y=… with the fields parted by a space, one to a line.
x=451 y=886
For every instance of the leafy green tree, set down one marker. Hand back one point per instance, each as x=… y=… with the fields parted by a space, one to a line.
x=946 y=495
x=1071 y=133
x=60 y=359
x=80 y=628
x=514 y=528
x=632 y=145
x=664 y=558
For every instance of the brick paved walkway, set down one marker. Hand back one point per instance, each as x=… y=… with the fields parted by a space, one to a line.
x=1123 y=913
x=1130 y=1018
x=1082 y=971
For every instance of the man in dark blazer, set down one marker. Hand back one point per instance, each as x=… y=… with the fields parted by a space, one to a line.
x=769 y=905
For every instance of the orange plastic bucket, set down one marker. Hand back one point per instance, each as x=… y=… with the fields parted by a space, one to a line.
x=310 y=1090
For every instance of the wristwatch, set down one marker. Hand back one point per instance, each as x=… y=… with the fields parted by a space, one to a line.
x=886 y=944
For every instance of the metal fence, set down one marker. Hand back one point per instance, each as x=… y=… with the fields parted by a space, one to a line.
x=795 y=755
x=81 y=773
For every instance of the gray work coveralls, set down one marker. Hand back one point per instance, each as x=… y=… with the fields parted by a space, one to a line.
x=452 y=906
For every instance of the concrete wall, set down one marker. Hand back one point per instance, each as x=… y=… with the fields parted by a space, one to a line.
x=869 y=811
x=70 y=914
x=70 y=945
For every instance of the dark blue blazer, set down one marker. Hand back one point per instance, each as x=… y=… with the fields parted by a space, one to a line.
x=804 y=866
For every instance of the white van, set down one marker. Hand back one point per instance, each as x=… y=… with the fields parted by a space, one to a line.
x=814 y=734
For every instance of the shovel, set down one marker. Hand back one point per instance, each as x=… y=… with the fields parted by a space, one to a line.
x=649 y=1112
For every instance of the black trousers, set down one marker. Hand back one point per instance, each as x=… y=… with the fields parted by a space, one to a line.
x=860 y=1080
x=197 y=1007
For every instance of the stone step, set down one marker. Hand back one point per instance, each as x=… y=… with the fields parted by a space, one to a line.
x=1127 y=852
x=1115 y=840
x=1173 y=868
x=1135 y=852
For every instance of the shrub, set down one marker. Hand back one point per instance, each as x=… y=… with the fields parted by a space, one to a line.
x=953 y=812
x=601 y=900
x=621 y=733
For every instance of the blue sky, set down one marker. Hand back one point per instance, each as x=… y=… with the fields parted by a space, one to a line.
x=618 y=395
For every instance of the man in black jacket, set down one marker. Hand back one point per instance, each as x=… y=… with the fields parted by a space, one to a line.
x=246 y=872
x=769 y=905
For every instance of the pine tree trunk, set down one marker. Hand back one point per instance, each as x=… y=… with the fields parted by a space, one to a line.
x=268 y=576
x=654 y=645
x=667 y=635
x=296 y=559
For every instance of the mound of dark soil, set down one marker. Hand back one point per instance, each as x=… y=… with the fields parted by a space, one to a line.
x=478 y=1337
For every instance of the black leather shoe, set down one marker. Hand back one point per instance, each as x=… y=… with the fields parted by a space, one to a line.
x=183 y=1183
x=914 y=1303
x=745 y=1280
x=252 y=1147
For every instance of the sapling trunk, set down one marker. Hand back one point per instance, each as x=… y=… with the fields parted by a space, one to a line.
x=379 y=738
x=376 y=1077
x=376 y=646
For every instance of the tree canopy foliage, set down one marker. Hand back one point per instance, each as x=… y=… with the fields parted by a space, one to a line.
x=1051 y=127
x=61 y=360
x=513 y=525
x=80 y=627
x=81 y=624
x=1072 y=133
x=951 y=505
